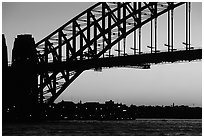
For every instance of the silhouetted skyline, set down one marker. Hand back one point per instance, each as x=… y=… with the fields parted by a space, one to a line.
x=109 y=110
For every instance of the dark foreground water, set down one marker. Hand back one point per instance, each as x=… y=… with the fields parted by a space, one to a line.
x=142 y=127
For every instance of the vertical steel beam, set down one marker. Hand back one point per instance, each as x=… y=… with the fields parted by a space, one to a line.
x=67 y=59
x=67 y=51
x=189 y=25
x=60 y=47
x=139 y=7
x=168 y=31
x=41 y=91
x=109 y=32
x=124 y=39
x=95 y=42
x=56 y=59
x=103 y=23
x=134 y=35
x=81 y=45
x=186 y=25
x=118 y=12
x=88 y=31
x=46 y=52
x=172 y=29
x=124 y=27
x=155 y=30
x=124 y=21
x=103 y=47
x=74 y=38
x=54 y=84
x=140 y=40
x=151 y=35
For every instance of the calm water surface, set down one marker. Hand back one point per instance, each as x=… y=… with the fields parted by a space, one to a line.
x=142 y=127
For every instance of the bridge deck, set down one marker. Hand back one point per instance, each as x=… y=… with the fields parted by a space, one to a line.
x=130 y=60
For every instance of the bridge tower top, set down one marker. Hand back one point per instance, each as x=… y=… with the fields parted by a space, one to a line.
x=24 y=49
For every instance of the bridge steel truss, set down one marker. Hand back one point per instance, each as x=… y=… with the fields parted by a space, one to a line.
x=92 y=34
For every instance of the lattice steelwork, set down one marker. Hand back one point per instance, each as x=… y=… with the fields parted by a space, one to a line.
x=96 y=33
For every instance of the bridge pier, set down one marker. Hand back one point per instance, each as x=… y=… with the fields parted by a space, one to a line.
x=23 y=95
x=5 y=78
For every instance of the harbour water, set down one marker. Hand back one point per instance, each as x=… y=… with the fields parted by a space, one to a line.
x=138 y=127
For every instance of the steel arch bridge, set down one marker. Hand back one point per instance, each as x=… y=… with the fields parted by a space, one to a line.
x=96 y=38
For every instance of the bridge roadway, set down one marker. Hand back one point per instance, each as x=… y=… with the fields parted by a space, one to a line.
x=143 y=60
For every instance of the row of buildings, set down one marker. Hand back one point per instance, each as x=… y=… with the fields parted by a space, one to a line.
x=109 y=111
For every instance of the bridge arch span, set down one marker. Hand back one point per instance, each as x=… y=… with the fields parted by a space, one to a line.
x=90 y=39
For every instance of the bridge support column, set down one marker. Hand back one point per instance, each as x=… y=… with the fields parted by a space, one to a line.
x=24 y=76
x=6 y=76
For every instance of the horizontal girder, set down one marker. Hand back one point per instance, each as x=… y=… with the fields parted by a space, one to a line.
x=123 y=61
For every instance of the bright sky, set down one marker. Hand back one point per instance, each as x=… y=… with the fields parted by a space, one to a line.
x=179 y=83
